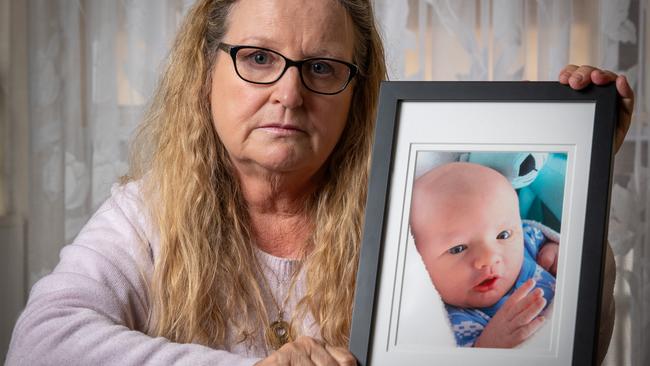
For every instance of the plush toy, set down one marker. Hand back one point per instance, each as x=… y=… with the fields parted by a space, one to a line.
x=537 y=177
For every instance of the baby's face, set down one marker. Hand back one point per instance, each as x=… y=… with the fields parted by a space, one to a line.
x=468 y=231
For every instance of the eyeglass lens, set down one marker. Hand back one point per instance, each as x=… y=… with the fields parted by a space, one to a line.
x=265 y=66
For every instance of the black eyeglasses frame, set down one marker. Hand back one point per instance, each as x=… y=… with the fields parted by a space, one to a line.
x=233 y=49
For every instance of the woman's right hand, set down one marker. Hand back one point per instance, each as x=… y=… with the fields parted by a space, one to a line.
x=308 y=351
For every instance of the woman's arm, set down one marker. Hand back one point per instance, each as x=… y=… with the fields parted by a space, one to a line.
x=607 y=306
x=93 y=309
x=578 y=77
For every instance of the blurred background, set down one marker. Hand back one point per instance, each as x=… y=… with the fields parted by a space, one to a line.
x=76 y=76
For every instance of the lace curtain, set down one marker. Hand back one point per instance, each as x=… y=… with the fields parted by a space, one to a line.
x=93 y=66
x=533 y=40
x=94 y=63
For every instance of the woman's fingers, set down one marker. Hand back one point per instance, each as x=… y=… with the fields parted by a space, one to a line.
x=578 y=77
x=315 y=351
x=625 y=109
x=566 y=73
x=601 y=77
x=319 y=355
x=342 y=355
x=581 y=77
x=307 y=351
x=624 y=89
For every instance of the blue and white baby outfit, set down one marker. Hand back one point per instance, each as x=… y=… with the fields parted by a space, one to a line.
x=468 y=324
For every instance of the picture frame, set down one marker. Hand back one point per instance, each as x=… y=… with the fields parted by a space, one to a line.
x=399 y=317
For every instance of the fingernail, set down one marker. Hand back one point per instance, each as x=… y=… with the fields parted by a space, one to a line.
x=576 y=78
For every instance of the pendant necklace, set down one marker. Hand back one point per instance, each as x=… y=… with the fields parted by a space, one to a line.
x=279 y=332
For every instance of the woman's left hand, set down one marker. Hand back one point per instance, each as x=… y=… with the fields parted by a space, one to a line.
x=578 y=77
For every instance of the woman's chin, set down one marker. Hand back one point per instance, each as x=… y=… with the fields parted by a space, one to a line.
x=286 y=157
x=284 y=165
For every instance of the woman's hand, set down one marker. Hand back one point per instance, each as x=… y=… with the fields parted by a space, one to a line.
x=308 y=351
x=516 y=320
x=578 y=77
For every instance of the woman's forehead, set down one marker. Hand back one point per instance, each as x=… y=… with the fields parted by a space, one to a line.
x=312 y=28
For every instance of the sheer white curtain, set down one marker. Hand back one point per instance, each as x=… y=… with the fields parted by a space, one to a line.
x=533 y=40
x=93 y=66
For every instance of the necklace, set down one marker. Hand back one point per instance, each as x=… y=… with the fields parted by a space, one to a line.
x=279 y=332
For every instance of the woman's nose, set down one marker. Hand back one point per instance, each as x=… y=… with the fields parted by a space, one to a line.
x=486 y=256
x=288 y=90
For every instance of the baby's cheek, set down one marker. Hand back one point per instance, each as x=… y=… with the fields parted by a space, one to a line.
x=448 y=288
x=451 y=295
x=516 y=250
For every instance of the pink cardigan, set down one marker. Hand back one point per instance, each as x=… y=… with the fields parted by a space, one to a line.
x=93 y=308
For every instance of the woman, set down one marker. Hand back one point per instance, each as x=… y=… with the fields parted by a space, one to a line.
x=237 y=231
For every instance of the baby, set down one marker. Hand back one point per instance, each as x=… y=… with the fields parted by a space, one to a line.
x=491 y=270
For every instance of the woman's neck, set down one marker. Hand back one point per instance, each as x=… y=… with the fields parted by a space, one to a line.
x=277 y=207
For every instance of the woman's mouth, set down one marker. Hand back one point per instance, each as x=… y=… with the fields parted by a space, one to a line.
x=281 y=129
x=486 y=285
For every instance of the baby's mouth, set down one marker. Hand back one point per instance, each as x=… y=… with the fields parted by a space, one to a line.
x=487 y=284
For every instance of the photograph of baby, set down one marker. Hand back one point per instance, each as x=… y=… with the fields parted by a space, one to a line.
x=487 y=228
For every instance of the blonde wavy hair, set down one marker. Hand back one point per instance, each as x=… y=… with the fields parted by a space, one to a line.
x=206 y=267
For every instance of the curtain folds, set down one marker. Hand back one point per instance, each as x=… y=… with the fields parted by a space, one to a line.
x=94 y=64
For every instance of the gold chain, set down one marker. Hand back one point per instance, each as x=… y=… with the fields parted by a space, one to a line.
x=278 y=332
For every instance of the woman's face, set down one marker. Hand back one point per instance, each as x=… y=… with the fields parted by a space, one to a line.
x=281 y=127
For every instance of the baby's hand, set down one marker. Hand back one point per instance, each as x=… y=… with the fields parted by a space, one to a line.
x=516 y=320
x=547 y=257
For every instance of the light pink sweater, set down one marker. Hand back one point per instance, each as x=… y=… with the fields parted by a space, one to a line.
x=93 y=308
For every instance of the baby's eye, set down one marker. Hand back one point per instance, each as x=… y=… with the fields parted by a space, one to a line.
x=457 y=249
x=505 y=234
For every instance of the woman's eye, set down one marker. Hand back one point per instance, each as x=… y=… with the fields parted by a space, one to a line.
x=260 y=57
x=321 y=68
x=256 y=57
x=457 y=249
x=505 y=234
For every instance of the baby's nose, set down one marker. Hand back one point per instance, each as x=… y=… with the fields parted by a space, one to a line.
x=486 y=257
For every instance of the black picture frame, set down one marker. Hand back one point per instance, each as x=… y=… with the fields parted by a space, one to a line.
x=390 y=123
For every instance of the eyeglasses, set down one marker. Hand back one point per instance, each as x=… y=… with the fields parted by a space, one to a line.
x=259 y=65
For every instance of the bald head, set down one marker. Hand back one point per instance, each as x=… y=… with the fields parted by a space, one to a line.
x=453 y=191
x=466 y=225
